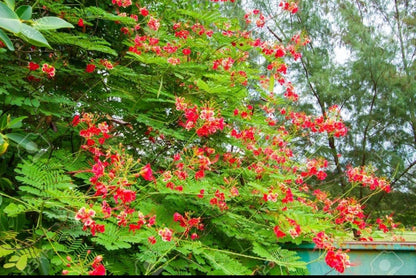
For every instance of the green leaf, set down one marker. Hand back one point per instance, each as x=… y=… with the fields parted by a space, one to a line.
x=5 y=250
x=9 y=20
x=6 y=40
x=21 y=263
x=33 y=36
x=51 y=23
x=23 y=141
x=5 y=183
x=44 y=266
x=16 y=123
x=3 y=121
x=14 y=258
x=271 y=85
x=9 y=265
x=14 y=210
x=24 y=12
x=10 y=4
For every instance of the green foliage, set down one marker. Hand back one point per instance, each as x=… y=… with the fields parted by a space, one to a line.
x=12 y=20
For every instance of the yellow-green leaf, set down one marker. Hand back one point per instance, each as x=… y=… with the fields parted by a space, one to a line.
x=21 y=263
x=5 y=250
x=14 y=258
x=9 y=265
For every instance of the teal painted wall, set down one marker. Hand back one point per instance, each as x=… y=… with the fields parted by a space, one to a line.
x=369 y=258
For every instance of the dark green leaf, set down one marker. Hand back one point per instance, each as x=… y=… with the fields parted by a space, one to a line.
x=24 y=12
x=6 y=40
x=16 y=123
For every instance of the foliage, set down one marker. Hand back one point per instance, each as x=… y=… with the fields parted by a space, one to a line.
x=149 y=141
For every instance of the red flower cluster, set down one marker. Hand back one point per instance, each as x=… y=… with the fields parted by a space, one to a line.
x=257 y=16
x=365 y=177
x=225 y=63
x=49 y=70
x=90 y=68
x=313 y=168
x=166 y=234
x=106 y=64
x=337 y=260
x=151 y=220
x=109 y=175
x=188 y=223
x=278 y=232
x=349 y=210
x=323 y=241
x=289 y=6
x=122 y=3
x=332 y=123
x=98 y=268
x=33 y=66
x=384 y=224
x=219 y=200
x=86 y=215
x=204 y=120
x=153 y=23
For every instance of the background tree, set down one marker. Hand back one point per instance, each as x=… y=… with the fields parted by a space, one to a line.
x=360 y=58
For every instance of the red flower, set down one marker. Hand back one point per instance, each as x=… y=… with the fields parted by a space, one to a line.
x=278 y=232
x=201 y=194
x=166 y=234
x=48 y=69
x=151 y=239
x=177 y=217
x=33 y=66
x=186 y=51
x=147 y=173
x=126 y=196
x=90 y=68
x=144 y=12
x=337 y=260
x=81 y=22
x=199 y=174
x=134 y=227
x=98 y=270
x=76 y=120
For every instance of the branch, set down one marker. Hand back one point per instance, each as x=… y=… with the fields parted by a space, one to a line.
x=331 y=140
x=276 y=36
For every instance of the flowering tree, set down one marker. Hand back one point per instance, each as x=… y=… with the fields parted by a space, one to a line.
x=169 y=150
